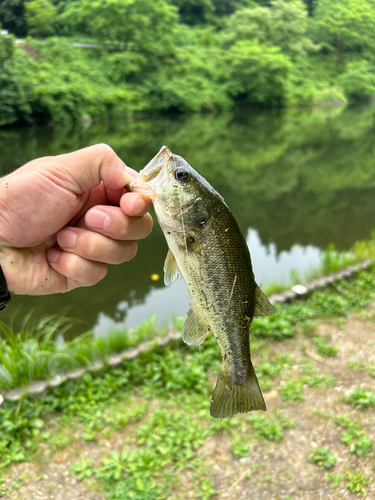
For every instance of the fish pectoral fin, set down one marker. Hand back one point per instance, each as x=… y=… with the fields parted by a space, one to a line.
x=230 y=397
x=171 y=271
x=195 y=330
x=263 y=306
x=193 y=261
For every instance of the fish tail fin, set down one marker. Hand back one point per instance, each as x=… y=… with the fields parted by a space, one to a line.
x=230 y=397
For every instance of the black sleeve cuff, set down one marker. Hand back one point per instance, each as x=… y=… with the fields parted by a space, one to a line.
x=4 y=294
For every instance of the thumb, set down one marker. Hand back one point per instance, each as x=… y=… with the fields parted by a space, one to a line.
x=84 y=169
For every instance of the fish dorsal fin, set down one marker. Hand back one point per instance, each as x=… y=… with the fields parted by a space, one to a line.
x=263 y=306
x=195 y=330
x=171 y=271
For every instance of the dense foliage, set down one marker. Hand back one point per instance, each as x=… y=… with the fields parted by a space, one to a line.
x=181 y=55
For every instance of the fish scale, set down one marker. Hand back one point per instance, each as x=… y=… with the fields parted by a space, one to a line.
x=208 y=249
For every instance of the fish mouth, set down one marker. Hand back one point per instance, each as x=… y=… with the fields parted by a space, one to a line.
x=143 y=183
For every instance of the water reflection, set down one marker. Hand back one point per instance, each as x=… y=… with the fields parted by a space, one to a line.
x=295 y=181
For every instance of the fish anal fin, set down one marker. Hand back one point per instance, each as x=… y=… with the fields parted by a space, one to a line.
x=195 y=330
x=171 y=271
x=263 y=306
x=230 y=397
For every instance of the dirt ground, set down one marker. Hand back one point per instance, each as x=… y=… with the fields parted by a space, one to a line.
x=271 y=470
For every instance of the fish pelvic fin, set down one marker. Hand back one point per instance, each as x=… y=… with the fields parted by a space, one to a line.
x=230 y=397
x=171 y=271
x=195 y=330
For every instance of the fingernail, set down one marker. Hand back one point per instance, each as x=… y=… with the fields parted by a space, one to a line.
x=131 y=171
x=140 y=206
x=53 y=254
x=97 y=219
x=67 y=238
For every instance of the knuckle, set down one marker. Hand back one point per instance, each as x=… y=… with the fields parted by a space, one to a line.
x=93 y=246
x=126 y=226
x=100 y=272
x=106 y=151
x=75 y=266
x=150 y=224
x=95 y=273
x=131 y=250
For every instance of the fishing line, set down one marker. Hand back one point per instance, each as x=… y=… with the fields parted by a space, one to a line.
x=187 y=261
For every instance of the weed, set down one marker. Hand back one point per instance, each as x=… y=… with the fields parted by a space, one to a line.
x=292 y=390
x=357 y=441
x=320 y=380
x=340 y=323
x=8 y=491
x=357 y=482
x=269 y=370
x=334 y=479
x=282 y=418
x=82 y=470
x=274 y=327
x=309 y=327
x=240 y=448
x=353 y=436
x=359 y=367
x=266 y=427
x=323 y=348
x=323 y=458
x=361 y=398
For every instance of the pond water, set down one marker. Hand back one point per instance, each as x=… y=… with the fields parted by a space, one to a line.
x=296 y=181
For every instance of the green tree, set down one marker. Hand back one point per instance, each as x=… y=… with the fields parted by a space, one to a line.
x=289 y=27
x=15 y=80
x=192 y=83
x=12 y=16
x=311 y=5
x=284 y=25
x=194 y=11
x=345 y=26
x=40 y=15
x=358 y=81
x=258 y=74
x=145 y=25
x=227 y=7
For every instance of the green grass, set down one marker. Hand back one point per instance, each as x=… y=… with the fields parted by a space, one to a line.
x=331 y=261
x=165 y=395
x=37 y=350
x=324 y=348
x=323 y=458
x=360 y=367
x=361 y=398
x=357 y=482
x=353 y=436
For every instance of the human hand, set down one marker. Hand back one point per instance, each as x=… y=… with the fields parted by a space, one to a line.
x=63 y=218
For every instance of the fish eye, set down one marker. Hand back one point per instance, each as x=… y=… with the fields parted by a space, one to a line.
x=181 y=174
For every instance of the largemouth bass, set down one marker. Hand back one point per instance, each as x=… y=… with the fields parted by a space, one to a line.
x=207 y=248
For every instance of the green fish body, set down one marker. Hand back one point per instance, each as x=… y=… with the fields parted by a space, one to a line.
x=207 y=248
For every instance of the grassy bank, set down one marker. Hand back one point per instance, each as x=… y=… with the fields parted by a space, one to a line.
x=153 y=412
x=38 y=351
x=331 y=260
